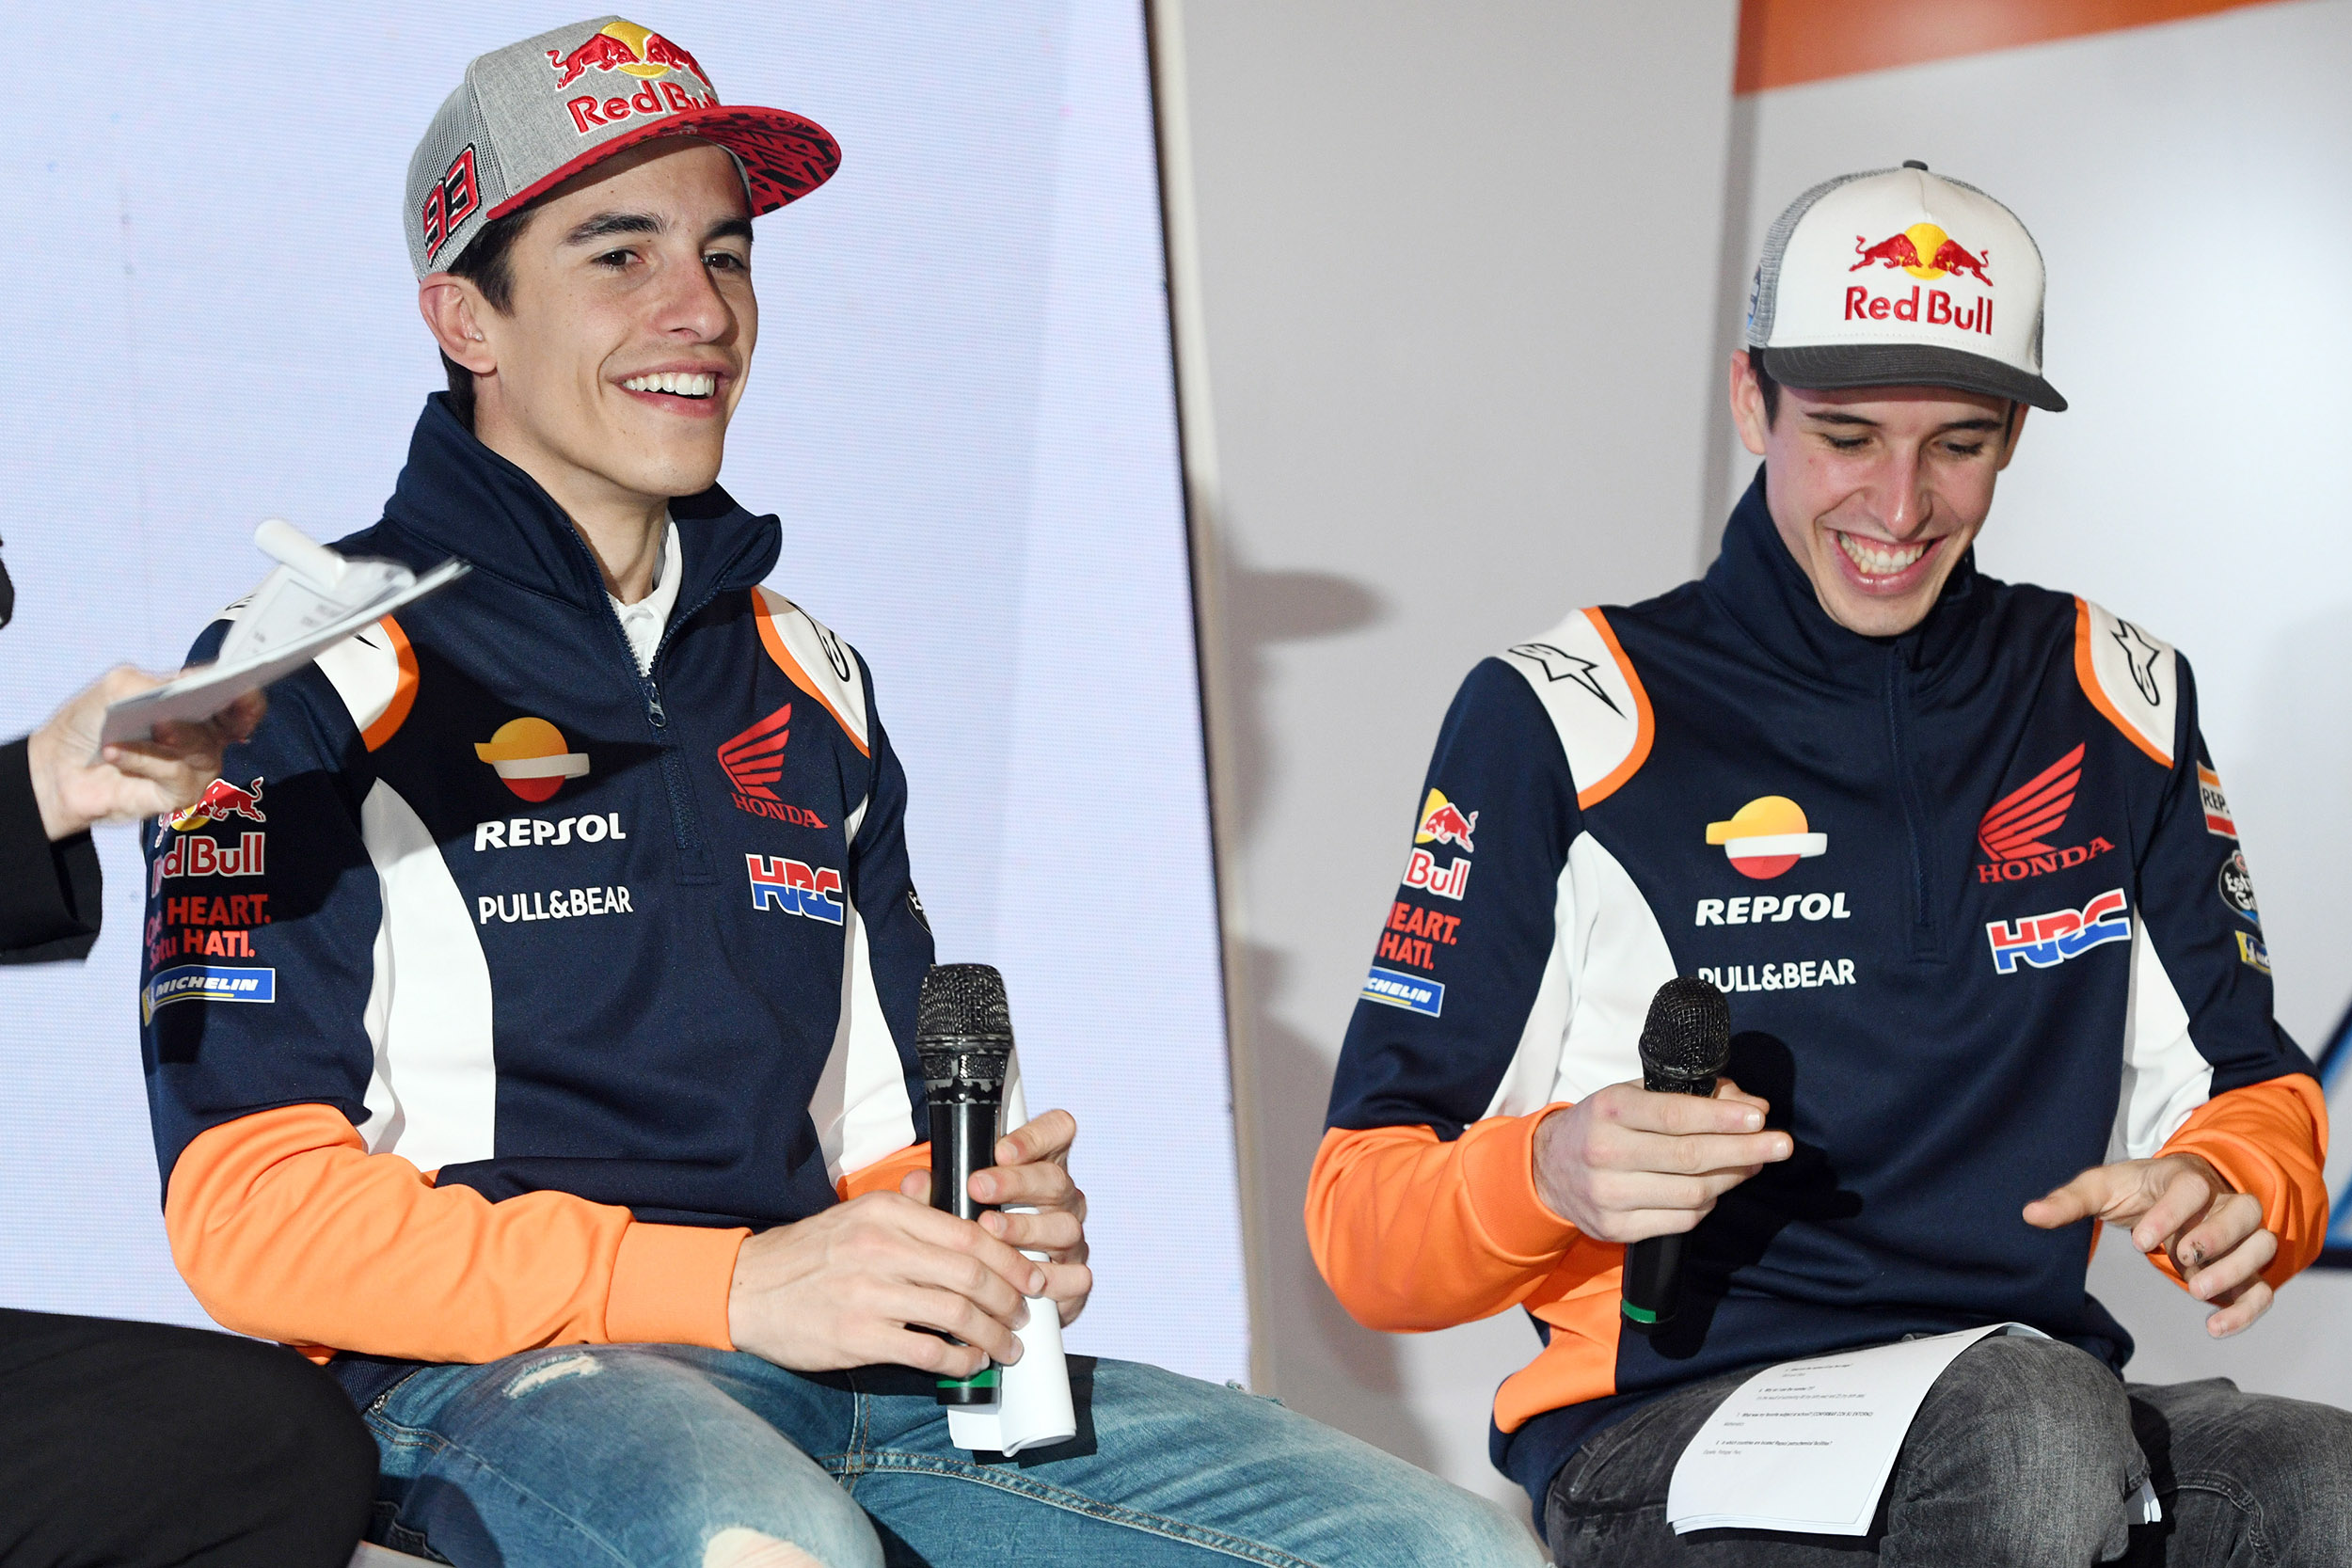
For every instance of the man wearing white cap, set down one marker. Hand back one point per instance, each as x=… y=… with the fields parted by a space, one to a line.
x=1956 y=852
x=556 y=1079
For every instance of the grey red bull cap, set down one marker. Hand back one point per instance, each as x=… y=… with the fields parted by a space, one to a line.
x=533 y=114
x=1901 y=277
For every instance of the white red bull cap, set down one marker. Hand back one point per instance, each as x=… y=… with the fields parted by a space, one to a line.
x=1900 y=278
x=533 y=114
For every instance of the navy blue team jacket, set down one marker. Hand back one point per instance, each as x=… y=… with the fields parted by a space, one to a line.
x=1977 y=898
x=535 y=921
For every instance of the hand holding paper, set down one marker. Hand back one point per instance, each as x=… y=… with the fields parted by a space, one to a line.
x=314 y=600
x=78 y=781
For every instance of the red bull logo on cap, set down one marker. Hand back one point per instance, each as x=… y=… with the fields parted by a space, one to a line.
x=1925 y=251
x=624 y=46
x=220 y=802
x=632 y=51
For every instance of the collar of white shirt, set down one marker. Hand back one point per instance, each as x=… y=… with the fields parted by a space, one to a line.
x=645 y=621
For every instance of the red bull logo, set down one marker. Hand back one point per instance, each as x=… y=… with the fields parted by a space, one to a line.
x=634 y=52
x=1925 y=252
x=220 y=802
x=624 y=46
x=1442 y=823
x=1945 y=255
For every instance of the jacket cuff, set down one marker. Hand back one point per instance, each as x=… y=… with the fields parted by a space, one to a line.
x=670 y=1286
x=1499 y=1174
x=49 y=893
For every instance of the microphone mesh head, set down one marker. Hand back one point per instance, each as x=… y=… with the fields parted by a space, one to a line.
x=963 y=1002
x=1687 y=1032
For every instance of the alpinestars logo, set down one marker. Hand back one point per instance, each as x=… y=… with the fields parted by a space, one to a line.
x=2012 y=833
x=2047 y=940
x=754 y=761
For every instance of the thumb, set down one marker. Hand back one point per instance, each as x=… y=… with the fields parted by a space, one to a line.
x=2082 y=1199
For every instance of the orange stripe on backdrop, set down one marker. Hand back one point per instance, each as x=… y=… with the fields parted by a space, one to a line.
x=1783 y=42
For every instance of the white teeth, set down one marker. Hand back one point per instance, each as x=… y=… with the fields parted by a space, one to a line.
x=1880 y=562
x=687 y=384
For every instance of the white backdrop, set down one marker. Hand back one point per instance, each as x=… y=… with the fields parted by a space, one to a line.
x=963 y=409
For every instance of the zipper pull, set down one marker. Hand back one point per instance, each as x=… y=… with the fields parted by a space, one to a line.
x=653 y=707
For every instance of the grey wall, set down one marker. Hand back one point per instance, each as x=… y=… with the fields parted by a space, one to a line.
x=1456 y=289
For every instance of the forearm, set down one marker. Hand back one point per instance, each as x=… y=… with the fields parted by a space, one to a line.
x=286 y=1227
x=1412 y=1233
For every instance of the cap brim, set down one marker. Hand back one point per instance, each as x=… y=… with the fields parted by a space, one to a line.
x=1836 y=366
x=784 y=156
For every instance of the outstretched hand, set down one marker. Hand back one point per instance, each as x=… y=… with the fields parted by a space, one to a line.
x=134 y=779
x=2213 y=1233
x=1032 y=1172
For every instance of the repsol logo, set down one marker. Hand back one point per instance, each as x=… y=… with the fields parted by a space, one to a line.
x=523 y=832
x=1757 y=910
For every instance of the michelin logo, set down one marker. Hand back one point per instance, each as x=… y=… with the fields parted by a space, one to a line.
x=207 y=983
x=1409 y=992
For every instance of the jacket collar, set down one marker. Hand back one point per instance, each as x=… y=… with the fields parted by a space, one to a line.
x=1759 y=585
x=465 y=499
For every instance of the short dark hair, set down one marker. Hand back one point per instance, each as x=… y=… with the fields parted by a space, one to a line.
x=1764 y=384
x=485 y=263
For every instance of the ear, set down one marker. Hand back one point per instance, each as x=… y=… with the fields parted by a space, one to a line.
x=2016 y=429
x=1747 y=404
x=453 y=308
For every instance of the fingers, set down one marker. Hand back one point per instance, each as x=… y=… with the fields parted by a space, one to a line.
x=1690 y=1154
x=2250 y=1302
x=916 y=1184
x=1052 y=1231
x=2092 y=1193
x=2183 y=1195
x=1045 y=1137
x=951 y=1253
x=2230 y=1225
x=1044 y=1184
x=240 y=718
x=2231 y=1271
x=1629 y=1105
x=954 y=1314
x=1727 y=1090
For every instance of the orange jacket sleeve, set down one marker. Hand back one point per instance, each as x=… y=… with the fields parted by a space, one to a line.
x=2268 y=1140
x=885 y=1174
x=1412 y=1233
x=286 y=1227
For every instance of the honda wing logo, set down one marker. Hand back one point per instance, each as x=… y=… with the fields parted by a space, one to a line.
x=754 y=759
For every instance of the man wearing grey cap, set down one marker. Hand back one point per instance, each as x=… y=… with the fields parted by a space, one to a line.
x=1956 y=852
x=578 y=1127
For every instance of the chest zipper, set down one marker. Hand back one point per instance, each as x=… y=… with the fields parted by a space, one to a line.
x=1924 y=937
x=686 y=825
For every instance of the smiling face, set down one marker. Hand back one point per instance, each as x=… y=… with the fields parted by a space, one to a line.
x=1877 y=491
x=612 y=374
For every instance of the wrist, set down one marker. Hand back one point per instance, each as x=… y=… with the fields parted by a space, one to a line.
x=41 y=760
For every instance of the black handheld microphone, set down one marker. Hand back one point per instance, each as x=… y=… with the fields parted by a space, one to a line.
x=1686 y=1040
x=963 y=1033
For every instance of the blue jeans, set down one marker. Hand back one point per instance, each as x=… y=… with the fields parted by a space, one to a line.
x=667 y=1456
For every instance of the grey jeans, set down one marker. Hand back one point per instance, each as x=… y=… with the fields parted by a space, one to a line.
x=2022 y=1455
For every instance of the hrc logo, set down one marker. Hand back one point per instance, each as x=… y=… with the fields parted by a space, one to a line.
x=778 y=883
x=2046 y=941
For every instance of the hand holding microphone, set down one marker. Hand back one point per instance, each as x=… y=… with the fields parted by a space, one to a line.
x=1635 y=1161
